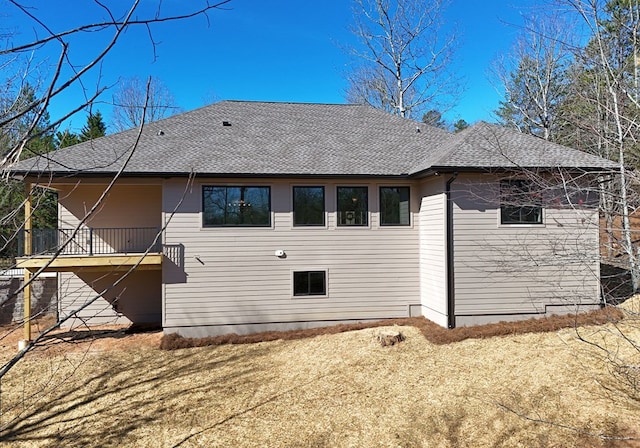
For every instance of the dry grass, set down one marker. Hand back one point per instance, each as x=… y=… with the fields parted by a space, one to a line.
x=331 y=390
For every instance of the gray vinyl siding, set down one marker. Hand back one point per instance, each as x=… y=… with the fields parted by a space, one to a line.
x=228 y=276
x=74 y=293
x=502 y=270
x=232 y=276
x=433 y=248
x=138 y=298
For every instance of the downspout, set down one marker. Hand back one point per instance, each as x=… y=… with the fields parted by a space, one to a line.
x=451 y=294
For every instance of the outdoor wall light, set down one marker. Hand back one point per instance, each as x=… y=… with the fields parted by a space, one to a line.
x=280 y=253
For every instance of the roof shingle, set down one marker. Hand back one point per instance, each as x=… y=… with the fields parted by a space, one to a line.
x=263 y=138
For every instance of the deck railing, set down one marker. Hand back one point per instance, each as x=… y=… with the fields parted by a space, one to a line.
x=92 y=241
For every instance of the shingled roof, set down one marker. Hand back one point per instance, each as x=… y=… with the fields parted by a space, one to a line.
x=487 y=146
x=298 y=139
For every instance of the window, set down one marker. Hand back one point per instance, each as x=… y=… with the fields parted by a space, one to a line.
x=394 y=206
x=310 y=283
x=520 y=203
x=308 y=206
x=236 y=206
x=353 y=206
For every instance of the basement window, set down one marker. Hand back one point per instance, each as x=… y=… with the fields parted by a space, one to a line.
x=520 y=202
x=310 y=283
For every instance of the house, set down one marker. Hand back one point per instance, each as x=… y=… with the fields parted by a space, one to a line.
x=249 y=216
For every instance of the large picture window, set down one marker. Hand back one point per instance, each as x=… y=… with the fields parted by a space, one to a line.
x=309 y=283
x=308 y=206
x=236 y=206
x=353 y=206
x=394 y=206
x=519 y=202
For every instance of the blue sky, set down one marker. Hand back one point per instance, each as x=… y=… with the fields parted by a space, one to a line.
x=280 y=50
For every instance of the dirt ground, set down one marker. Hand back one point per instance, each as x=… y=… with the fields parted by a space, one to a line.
x=97 y=339
x=331 y=390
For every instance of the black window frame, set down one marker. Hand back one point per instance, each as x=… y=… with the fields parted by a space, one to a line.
x=355 y=206
x=294 y=206
x=298 y=279
x=384 y=214
x=520 y=203
x=226 y=222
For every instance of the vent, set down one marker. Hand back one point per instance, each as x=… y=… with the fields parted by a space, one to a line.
x=226 y=123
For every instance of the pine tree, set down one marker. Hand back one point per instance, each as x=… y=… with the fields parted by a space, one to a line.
x=460 y=125
x=94 y=128
x=40 y=140
x=66 y=138
x=434 y=118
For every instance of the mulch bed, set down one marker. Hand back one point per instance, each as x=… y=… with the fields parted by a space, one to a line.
x=431 y=331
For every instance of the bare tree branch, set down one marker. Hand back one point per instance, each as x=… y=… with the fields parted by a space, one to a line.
x=405 y=57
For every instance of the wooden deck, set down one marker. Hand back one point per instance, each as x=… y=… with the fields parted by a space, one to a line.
x=87 y=263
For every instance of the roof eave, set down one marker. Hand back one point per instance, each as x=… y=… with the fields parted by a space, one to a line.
x=29 y=175
x=436 y=170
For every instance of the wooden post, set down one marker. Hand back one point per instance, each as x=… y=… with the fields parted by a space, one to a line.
x=27 y=221
x=27 y=274
x=27 y=305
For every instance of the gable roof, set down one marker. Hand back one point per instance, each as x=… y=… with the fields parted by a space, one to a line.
x=245 y=138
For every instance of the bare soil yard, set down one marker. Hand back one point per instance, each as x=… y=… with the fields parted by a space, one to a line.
x=333 y=390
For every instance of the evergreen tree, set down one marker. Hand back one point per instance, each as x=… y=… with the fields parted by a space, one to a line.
x=40 y=140
x=460 y=125
x=94 y=128
x=66 y=138
x=536 y=87
x=434 y=118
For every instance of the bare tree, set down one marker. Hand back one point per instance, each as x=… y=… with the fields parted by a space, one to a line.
x=611 y=58
x=67 y=72
x=584 y=96
x=404 y=58
x=534 y=78
x=110 y=23
x=129 y=102
x=600 y=113
x=611 y=55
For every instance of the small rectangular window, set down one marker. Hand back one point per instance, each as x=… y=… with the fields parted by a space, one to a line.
x=309 y=283
x=236 y=206
x=308 y=206
x=353 y=206
x=394 y=206
x=520 y=203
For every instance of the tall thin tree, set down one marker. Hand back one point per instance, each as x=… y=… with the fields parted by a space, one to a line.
x=404 y=58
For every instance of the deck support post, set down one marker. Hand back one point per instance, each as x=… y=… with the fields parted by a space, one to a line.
x=27 y=273
x=27 y=306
